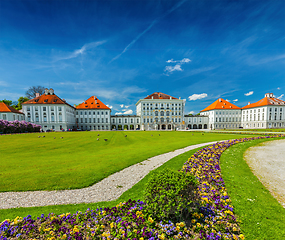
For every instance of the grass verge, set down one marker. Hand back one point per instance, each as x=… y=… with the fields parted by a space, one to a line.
x=261 y=216
x=135 y=193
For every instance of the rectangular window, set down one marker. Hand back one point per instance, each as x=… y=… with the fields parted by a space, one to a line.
x=44 y=108
x=59 y=108
x=106 y=120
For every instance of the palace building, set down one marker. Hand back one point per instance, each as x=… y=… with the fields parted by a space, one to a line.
x=157 y=111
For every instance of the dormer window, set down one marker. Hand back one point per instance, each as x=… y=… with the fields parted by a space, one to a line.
x=55 y=100
x=45 y=100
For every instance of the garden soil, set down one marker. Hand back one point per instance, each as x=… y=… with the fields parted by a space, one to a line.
x=267 y=162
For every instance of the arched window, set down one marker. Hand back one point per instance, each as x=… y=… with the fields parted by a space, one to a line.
x=52 y=117
x=167 y=113
x=60 y=117
x=161 y=113
x=156 y=113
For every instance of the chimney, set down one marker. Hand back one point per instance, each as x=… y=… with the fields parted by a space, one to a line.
x=46 y=91
x=220 y=100
x=170 y=98
x=152 y=97
x=37 y=94
x=179 y=98
x=248 y=103
x=51 y=91
x=74 y=105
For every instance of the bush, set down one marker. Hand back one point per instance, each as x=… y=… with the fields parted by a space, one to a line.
x=170 y=195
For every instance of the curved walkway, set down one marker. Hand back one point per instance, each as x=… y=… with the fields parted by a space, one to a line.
x=267 y=162
x=108 y=189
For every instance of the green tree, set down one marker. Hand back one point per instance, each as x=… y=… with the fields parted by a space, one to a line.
x=21 y=100
x=7 y=102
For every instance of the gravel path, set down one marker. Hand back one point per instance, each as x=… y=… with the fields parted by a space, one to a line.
x=267 y=162
x=108 y=189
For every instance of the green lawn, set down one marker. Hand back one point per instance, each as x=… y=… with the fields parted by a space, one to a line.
x=261 y=216
x=78 y=160
x=135 y=193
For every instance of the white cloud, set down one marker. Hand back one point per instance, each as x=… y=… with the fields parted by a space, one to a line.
x=128 y=111
x=125 y=112
x=109 y=106
x=170 y=69
x=228 y=100
x=235 y=100
x=191 y=112
x=281 y=96
x=278 y=88
x=197 y=96
x=249 y=93
x=177 y=67
x=185 y=60
x=127 y=106
x=121 y=105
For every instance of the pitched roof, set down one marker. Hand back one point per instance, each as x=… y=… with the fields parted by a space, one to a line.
x=159 y=95
x=266 y=101
x=47 y=99
x=92 y=103
x=5 y=108
x=221 y=104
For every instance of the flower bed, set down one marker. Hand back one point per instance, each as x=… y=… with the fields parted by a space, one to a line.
x=213 y=217
x=18 y=126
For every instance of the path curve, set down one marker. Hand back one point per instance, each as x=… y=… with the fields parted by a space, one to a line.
x=267 y=162
x=108 y=189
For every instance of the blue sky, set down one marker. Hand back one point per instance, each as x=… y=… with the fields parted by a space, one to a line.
x=122 y=51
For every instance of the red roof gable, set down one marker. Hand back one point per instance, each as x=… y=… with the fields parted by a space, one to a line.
x=221 y=104
x=92 y=103
x=5 y=108
x=265 y=102
x=159 y=95
x=46 y=99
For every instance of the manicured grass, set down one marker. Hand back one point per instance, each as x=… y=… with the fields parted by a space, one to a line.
x=135 y=193
x=256 y=130
x=78 y=160
x=261 y=216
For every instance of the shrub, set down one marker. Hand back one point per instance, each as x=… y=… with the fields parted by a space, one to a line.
x=169 y=195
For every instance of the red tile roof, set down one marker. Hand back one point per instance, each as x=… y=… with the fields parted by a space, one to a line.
x=5 y=108
x=46 y=99
x=221 y=104
x=266 y=102
x=159 y=95
x=92 y=103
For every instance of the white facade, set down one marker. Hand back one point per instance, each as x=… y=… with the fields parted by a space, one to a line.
x=93 y=119
x=223 y=118
x=49 y=111
x=160 y=114
x=196 y=122
x=125 y=122
x=11 y=116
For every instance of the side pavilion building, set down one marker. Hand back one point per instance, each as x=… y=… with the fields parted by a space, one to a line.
x=9 y=113
x=50 y=111
x=268 y=112
x=222 y=115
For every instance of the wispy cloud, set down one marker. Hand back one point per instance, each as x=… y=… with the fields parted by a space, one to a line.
x=80 y=51
x=235 y=100
x=122 y=105
x=249 y=93
x=109 y=106
x=278 y=88
x=177 y=67
x=147 y=29
x=281 y=96
x=195 y=96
